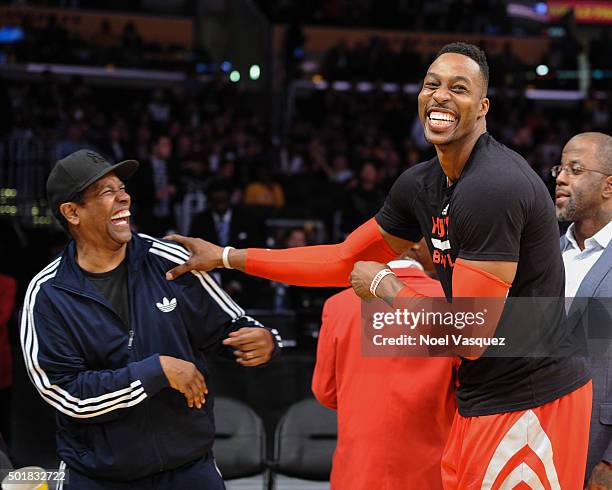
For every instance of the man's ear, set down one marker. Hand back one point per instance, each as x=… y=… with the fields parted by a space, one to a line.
x=484 y=107
x=70 y=211
x=607 y=189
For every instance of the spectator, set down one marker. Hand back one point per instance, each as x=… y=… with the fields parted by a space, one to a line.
x=115 y=143
x=372 y=441
x=131 y=45
x=8 y=288
x=584 y=196
x=75 y=140
x=159 y=108
x=264 y=191
x=364 y=200
x=223 y=223
x=154 y=190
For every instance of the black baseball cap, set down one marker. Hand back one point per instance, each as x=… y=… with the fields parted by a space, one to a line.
x=77 y=171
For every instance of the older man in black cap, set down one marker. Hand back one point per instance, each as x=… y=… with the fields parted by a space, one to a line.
x=118 y=351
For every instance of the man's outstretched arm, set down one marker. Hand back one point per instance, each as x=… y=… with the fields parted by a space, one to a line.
x=319 y=265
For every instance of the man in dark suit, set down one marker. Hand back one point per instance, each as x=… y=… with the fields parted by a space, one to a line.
x=225 y=224
x=154 y=190
x=584 y=196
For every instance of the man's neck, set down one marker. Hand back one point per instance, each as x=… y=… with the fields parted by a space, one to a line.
x=454 y=156
x=97 y=259
x=586 y=228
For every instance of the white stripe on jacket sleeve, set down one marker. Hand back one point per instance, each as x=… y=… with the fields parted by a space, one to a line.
x=179 y=255
x=53 y=394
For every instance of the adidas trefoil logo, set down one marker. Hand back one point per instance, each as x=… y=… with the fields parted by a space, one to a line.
x=166 y=306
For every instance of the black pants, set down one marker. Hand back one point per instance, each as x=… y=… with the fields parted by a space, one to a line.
x=200 y=475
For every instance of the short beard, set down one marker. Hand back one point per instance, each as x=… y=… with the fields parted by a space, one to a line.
x=569 y=212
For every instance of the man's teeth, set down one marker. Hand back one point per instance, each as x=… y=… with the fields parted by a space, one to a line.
x=121 y=214
x=442 y=116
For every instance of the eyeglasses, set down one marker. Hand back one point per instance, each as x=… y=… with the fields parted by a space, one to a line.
x=573 y=170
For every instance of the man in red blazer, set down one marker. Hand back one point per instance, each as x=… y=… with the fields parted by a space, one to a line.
x=8 y=287
x=394 y=413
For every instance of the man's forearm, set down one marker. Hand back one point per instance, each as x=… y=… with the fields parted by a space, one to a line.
x=319 y=265
x=237 y=259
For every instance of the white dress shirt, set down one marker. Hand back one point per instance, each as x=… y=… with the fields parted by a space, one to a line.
x=578 y=262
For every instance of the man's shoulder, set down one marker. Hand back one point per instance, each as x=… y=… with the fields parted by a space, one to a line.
x=422 y=169
x=503 y=166
x=40 y=285
x=161 y=249
x=418 y=176
x=342 y=299
x=604 y=264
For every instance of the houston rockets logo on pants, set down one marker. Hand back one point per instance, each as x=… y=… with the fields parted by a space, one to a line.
x=527 y=439
x=543 y=448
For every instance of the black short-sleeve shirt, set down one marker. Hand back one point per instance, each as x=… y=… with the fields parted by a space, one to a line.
x=499 y=209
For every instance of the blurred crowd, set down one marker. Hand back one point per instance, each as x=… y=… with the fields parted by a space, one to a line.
x=339 y=155
x=377 y=60
x=50 y=41
x=486 y=16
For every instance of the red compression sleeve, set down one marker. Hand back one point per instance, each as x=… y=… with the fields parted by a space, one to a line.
x=468 y=282
x=320 y=265
x=471 y=282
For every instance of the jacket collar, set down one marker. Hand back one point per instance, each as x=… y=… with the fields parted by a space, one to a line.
x=601 y=239
x=69 y=273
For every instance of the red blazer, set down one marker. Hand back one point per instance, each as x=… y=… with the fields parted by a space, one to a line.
x=7 y=303
x=395 y=413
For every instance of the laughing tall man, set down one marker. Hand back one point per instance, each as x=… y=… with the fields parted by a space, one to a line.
x=491 y=228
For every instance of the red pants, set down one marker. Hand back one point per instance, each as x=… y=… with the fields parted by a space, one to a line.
x=543 y=448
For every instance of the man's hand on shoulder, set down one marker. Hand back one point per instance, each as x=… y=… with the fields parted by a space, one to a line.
x=185 y=377
x=601 y=477
x=253 y=345
x=204 y=256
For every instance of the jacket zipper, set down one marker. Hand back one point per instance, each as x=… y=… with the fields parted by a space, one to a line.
x=131 y=331
x=131 y=334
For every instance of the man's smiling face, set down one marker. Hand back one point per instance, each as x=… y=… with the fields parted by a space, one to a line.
x=452 y=100
x=104 y=217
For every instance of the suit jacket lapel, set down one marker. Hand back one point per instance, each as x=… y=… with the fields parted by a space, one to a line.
x=596 y=274
x=591 y=281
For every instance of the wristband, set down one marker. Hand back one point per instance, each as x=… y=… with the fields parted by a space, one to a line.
x=225 y=257
x=377 y=278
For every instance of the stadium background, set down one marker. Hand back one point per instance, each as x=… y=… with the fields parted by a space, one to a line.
x=302 y=113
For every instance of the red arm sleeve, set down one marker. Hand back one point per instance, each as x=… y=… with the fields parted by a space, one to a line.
x=324 y=377
x=320 y=265
x=469 y=282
